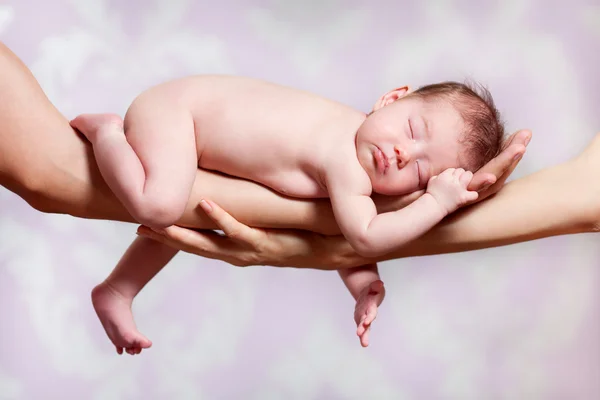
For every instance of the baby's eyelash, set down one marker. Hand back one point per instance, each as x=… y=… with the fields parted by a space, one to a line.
x=412 y=136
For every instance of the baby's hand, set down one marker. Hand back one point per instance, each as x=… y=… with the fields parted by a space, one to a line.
x=365 y=311
x=449 y=189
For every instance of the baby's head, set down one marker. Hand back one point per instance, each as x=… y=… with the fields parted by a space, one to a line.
x=483 y=129
x=410 y=137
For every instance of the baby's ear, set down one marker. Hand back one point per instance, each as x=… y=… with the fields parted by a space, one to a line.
x=391 y=97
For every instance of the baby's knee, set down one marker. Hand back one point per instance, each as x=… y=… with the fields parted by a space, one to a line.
x=159 y=213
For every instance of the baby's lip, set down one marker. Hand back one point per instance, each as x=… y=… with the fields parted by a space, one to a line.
x=381 y=161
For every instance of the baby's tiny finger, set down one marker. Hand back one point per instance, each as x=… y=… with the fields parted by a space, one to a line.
x=458 y=172
x=465 y=178
x=361 y=323
x=360 y=330
x=448 y=172
x=371 y=315
x=471 y=196
x=364 y=340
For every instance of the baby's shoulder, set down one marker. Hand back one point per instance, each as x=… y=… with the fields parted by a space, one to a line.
x=347 y=171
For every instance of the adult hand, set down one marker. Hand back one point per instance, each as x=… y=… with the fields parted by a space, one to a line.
x=491 y=177
x=242 y=245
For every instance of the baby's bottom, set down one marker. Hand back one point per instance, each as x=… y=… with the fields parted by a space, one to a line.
x=113 y=298
x=151 y=164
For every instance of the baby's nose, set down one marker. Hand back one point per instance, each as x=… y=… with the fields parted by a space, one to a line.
x=402 y=156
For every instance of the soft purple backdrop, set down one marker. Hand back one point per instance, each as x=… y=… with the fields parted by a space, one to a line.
x=519 y=322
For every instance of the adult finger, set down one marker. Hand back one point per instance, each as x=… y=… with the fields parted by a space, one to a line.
x=205 y=243
x=229 y=225
x=500 y=168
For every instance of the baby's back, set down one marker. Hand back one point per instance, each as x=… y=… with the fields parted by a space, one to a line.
x=260 y=131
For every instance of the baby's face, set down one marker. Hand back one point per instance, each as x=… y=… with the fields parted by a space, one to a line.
x=406 y=142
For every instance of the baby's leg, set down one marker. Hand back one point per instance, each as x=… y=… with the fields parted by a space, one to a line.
x=368 y=291
x=112 y=298
x=150 y=168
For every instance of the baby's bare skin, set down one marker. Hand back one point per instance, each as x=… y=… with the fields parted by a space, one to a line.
x=292 y=141
x=240 y=124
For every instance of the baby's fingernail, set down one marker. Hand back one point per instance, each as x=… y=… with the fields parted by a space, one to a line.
x=527 y=139
x=205 y=206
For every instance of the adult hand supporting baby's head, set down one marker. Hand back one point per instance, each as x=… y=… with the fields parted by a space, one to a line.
x=491 y=177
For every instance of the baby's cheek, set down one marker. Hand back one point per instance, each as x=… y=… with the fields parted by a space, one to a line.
x=406 y=183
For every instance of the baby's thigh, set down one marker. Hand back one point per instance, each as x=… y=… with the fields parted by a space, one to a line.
x=161 y=130
x=157 y=109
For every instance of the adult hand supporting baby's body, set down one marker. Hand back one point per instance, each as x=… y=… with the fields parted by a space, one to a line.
x=245 y=246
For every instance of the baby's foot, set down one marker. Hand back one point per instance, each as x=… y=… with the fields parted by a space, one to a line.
x=365 y=311
x=114 y=311
x=94 y=126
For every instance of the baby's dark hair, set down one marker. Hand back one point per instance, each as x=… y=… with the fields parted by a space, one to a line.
x=484 y=130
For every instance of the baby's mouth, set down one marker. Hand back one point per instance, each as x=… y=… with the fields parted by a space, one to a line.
x=381 y=161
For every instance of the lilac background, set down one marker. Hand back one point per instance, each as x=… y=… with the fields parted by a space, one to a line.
x=519 y=322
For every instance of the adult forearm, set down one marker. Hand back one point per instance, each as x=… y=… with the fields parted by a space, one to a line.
x=555 y=201
x=42 y=159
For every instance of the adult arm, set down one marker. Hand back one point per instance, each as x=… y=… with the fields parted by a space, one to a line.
x=564 y=199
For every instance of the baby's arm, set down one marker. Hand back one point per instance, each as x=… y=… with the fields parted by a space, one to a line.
x=373 y=235
x=358 y=278
x=368 y=291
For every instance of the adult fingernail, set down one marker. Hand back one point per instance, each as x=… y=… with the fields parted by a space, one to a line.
x=158 y=230
x=205 y=206
x=517 y=156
